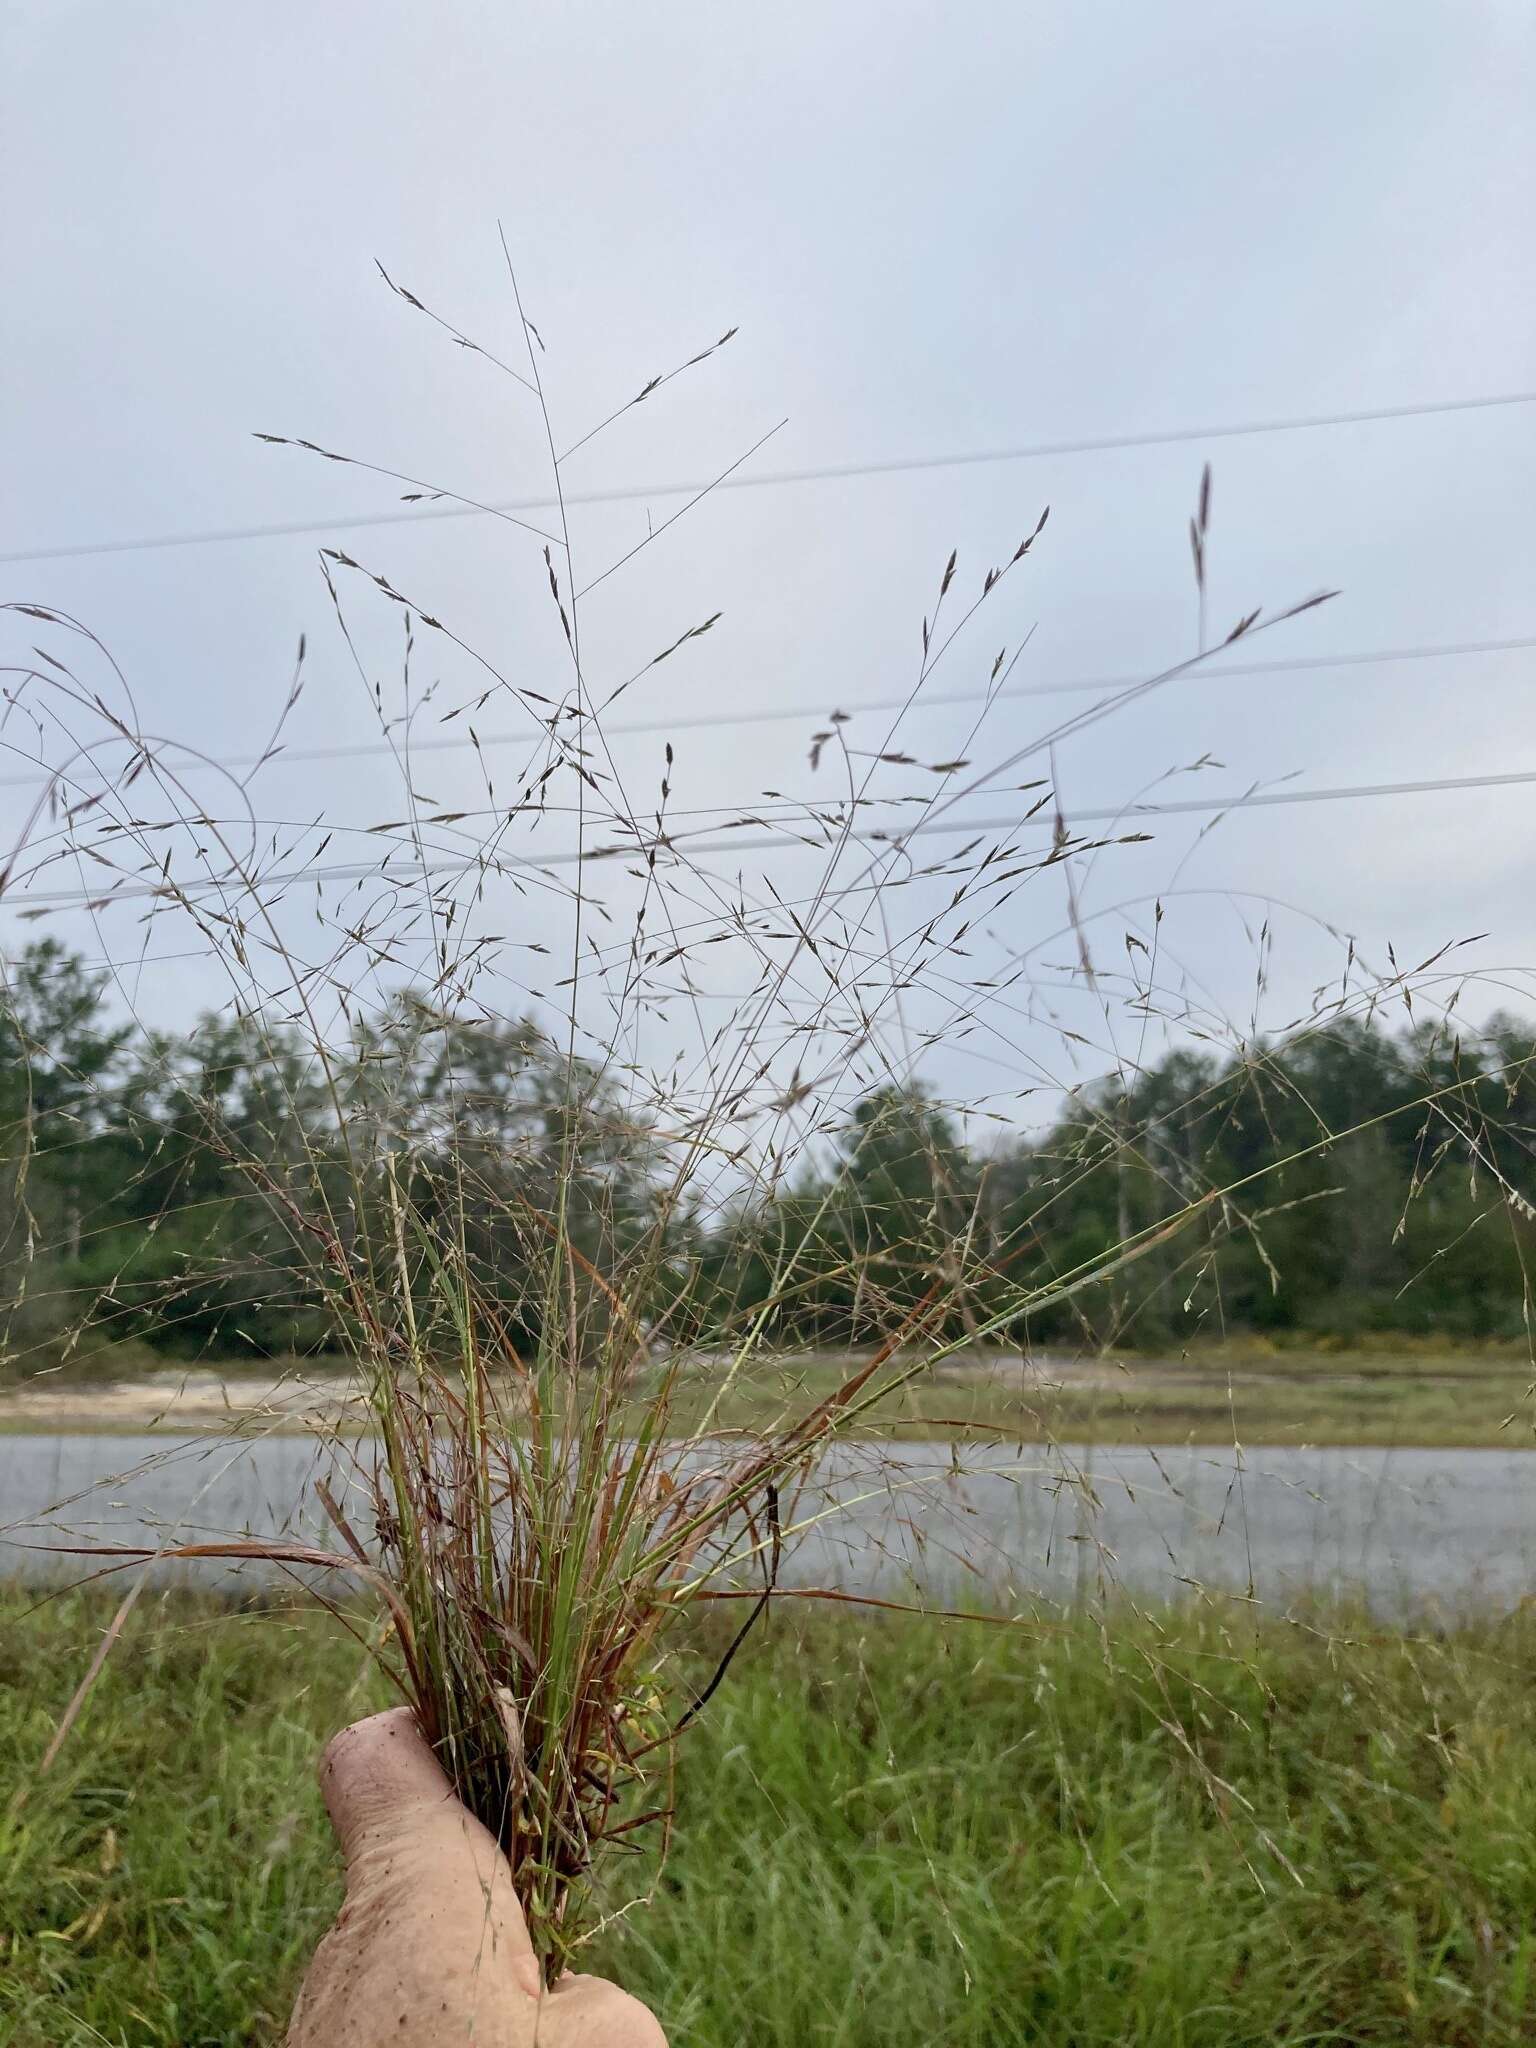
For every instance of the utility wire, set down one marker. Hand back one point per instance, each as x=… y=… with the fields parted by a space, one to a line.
x=894 y=837
x=767 y=479
x=1293 y=665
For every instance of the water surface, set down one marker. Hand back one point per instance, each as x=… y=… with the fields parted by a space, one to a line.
x=1453 y=1530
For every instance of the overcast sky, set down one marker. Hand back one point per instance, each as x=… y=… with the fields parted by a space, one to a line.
x=938 y=231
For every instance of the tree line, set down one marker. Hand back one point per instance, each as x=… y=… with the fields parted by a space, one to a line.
x=184 y=1191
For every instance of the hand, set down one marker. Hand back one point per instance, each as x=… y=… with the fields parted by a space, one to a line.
x=430 y=1947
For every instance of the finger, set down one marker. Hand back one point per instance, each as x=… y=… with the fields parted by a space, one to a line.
x=396 y=1815
x=380 y=1770
x=591 y=2012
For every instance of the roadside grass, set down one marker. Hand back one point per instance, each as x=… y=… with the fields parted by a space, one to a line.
x=1191 y=1828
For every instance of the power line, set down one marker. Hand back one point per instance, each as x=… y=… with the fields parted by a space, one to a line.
x=894 y=838
x=100 y=965
x=1370 y=657
x=767 y=479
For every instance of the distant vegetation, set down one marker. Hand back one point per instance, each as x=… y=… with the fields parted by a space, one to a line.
x=155 y=1187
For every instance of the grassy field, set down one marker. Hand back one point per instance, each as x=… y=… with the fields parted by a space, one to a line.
x=1203 y=1829
x=1393 y=1394
x=1434 y=1397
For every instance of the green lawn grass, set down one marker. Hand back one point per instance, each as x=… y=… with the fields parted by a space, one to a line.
x=1191 y=1829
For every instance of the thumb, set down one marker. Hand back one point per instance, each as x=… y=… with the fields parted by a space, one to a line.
x=380 y=1776
x=401 y=1828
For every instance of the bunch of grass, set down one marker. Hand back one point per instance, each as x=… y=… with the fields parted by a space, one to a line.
x=536 y=1518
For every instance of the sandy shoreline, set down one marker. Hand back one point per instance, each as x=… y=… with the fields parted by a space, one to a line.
x=185 y=1402
x=188 y=1400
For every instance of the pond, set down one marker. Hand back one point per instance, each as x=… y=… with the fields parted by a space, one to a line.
x=1405 y=1530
